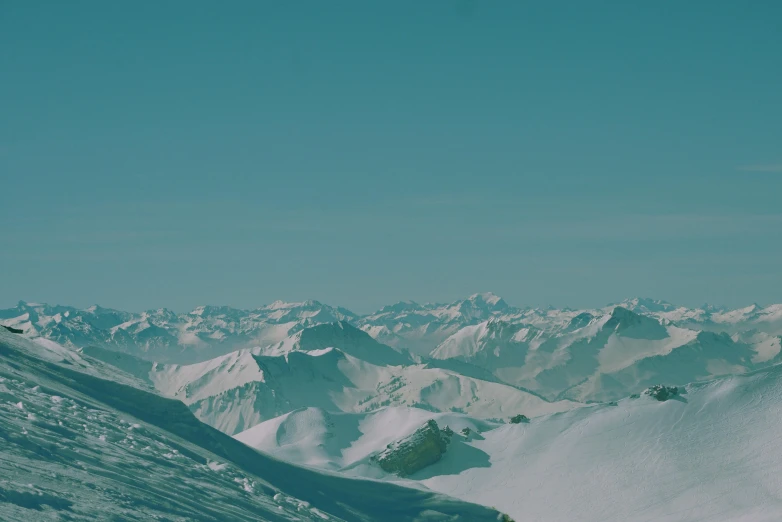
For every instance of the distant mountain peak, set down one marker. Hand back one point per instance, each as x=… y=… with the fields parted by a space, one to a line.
x=401 y=306
x=646 y=304
x=477 y=305
x=281 y=305
x=487 y=297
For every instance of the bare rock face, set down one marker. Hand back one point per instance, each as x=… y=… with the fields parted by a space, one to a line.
x=12 y=330
x=421 y=448
x=662 y=393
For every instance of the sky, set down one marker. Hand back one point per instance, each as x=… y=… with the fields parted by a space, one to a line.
x=360 y=153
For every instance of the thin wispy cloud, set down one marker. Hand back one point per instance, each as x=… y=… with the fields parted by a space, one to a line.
x=772 y=167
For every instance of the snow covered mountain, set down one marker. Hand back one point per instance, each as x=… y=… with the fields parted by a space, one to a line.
x=210 y=331
x=584 y=355
x=419 y=328
x=708 y=454
x=164 y=336
x=345 y=442
x=322 y=387
x=238 y=390
x=340 y=334
x=80 y=440
x=602 y=357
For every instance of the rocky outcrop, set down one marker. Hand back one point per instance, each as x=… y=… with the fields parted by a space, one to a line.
x=518 y=419
x=662 y=393
x=12 y=330
x=422 y=448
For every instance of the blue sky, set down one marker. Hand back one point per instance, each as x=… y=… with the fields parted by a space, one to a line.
x=360 y=153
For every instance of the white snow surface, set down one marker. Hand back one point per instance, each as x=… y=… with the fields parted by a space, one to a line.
x=77 y=446
x=710 y=454
x=324 y=388
x=210 y=331
x=344 y=441
x=239 y=390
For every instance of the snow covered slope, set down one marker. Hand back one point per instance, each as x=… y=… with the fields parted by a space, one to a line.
x=210 y=331
x=342 y=335
x=603 y=357
x=419 y=328
x=344 y=441
x=241 y=389
x=162 y=335
x=76 y=446
x=583 y=355
x=709 y=454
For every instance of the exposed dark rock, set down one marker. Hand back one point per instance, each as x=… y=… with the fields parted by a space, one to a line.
x=518 y=419
x=662 y=393
x=422 y=448
x=12 y=330
x=466 y=432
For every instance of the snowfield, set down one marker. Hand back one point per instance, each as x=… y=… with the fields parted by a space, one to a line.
x=76 y=446
x=582 y=355
x=210 y=331
x=711 y=454
x=237 y=391
x=344 y=441
x=100 y=411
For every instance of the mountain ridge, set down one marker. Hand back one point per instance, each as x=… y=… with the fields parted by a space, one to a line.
x=209 y=331
x=83 y=445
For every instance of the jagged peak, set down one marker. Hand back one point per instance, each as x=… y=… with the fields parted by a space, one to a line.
x=620 y=312
x=580 y=320
x=622 y=317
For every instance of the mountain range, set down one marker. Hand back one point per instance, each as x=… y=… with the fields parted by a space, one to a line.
x=710 y=454
x=321 y=387
x=479 y=356
x=516 y=345
x=209 y=331
x=81 y=440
